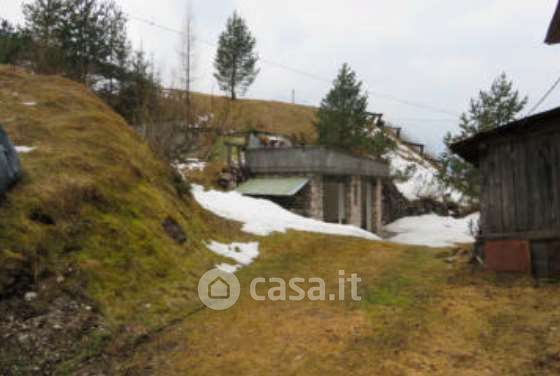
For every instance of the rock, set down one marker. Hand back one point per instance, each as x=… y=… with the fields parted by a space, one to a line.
x=23 y=338
x=10 y=169
x=30 y=296
x=174 y=231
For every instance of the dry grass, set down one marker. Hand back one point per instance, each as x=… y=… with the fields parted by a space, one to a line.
x=271 y=116
x=419 y=316
x=90 y=207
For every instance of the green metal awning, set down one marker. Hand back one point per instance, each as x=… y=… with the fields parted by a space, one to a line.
x=288 y=186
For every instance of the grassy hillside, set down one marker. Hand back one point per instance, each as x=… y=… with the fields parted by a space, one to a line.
x=85 y=222
x=271 y=116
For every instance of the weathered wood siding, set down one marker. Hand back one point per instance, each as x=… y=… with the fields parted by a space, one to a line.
x=521 y=184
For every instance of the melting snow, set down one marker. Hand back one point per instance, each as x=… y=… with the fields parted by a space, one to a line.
x=263 y=217
x=191 y=164
x=423 y=182
x=24 y=149
x=243 y=253
x=227 y=268
x=433 y=230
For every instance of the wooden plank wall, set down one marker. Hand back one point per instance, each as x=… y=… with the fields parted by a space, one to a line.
x=521 y=185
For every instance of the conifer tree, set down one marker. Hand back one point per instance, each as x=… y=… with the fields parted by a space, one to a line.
x=236 y=59
x=493 y=108
x=343 y=120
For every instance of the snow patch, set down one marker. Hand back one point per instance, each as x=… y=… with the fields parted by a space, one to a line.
x=24 y=149
x=191 y=164
x=263 y=217
x=423 y=182
x=227 y=268
x=243 y=253
x=29 y=104
x=433 y=230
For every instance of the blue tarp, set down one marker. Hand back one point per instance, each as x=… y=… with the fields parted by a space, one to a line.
x=10 y=168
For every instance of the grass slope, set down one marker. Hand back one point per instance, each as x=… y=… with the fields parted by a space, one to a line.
x=90 y=209
x=272 y=116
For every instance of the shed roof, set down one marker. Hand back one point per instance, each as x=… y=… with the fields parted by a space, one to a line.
x=553 y=35
x=469 y=149
x=313 y=160
x=287 y=186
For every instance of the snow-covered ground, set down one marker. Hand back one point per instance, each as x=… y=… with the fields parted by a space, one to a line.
x=263 y=217
x=24 y=149
x=423 y=181
x=433 y=230
x=243 y=253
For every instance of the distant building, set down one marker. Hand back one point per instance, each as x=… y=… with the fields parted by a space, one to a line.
x=318 y=182
x=520 y=193
x=553 y=35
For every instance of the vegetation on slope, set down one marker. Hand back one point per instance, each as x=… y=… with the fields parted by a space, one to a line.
x=272 y=116
x=419 y=315
x=86 y=219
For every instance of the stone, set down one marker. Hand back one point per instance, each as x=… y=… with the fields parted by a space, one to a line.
x=174 y=230
x=10 y=168
x=30 y=296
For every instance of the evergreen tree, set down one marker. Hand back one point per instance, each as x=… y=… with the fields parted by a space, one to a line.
x=343 y=120
x=236 y=59
x=490 y=110
x=43 y=20
x=93 y=34
x=14 y=43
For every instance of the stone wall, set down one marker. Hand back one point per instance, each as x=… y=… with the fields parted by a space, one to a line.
x=315 y=199
x=396 y=206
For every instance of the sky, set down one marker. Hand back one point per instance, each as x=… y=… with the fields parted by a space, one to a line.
x=420 y=60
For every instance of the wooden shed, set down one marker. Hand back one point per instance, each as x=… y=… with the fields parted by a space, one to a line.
x=520 y=193
x=553 y=35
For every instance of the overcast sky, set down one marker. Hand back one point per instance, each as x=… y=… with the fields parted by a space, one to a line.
x=438 y=53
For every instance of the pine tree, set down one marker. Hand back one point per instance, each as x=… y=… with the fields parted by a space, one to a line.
x=490 y=110
x=14 y=43
x=236 y=59
x=343 y=120
x=43 y=20
x=93 y=32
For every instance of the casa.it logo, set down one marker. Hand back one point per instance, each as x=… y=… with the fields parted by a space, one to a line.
x=218 y=290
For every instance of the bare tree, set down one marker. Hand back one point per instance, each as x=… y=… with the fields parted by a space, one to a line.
x=187 y=60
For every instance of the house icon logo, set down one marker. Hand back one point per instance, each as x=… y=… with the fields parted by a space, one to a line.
x=218 y=290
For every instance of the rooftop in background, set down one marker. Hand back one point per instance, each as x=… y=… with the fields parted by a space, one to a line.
x=553 y=35
x=469 y=149
x=312 y=159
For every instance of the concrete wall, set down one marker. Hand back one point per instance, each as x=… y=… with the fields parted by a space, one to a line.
x=354 y=201
x=312 y=160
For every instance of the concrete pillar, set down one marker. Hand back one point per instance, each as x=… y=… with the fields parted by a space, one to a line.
x=316 y=199
x=378 y=205
x=355 y=202
x=369 y=205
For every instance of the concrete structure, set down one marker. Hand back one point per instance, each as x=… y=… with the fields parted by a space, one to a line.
x=320 y=183
x=520 y=193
